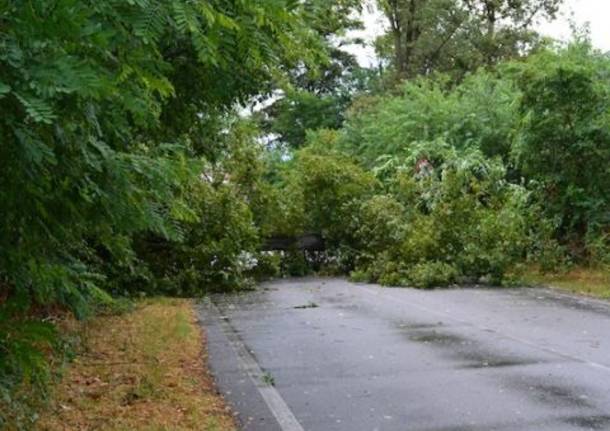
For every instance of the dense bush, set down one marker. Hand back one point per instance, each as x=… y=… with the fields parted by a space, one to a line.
x=455 y=219
x=472 y=178
x=435 y=216
x=563 y=146
x=323 y=187
x=481 y=112
x=232 y=208
x=532 y=136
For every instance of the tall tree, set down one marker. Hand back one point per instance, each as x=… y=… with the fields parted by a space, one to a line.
x=563 y=144
x=499 y=29
x=419 y=31
x=331 y=21
x=318 y=94
x=458 y=36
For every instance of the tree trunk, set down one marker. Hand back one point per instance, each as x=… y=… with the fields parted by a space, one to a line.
x=490 y=15
x=399 y=54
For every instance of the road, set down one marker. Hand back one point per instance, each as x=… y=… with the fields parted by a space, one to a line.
x=325 y=354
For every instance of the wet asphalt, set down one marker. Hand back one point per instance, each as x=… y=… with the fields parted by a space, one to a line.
x=325 y=354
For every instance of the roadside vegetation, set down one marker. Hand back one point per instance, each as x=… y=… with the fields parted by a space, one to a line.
x=447 y=183
x=476 y=151
x=139 y=370
x=594 y=282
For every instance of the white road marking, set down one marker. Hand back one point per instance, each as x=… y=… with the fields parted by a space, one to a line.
x=247 y=363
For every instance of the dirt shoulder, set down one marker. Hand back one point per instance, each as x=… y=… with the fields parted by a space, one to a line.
x=591 y=282
x=143 y=370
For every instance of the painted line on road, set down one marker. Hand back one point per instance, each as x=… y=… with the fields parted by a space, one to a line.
x=378 y=294
x=248 y=364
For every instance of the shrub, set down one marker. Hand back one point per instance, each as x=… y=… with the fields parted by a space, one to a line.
x=480 y=113
x=460 y=216
x=563 y=145
x=381 y=223
x=360 y=276
x=212 y=255
x=324 y=188
x=268 y=265
x=295 y=264
x=598 y=248
x=432 y=274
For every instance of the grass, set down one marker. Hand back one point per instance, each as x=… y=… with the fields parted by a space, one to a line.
x=584 y=281
x=143 y=370
x=268 y=379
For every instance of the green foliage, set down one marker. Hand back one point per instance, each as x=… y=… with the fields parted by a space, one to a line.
x=472 y=179
x=431 y=274
x=381 y=223
x=332 y=21
x=301 y=111
x=125 y=170
x=294 y=264
x=112 y=111
x=317 y=95
x=482 y=113
x=213 y=254
x=564 y=140
x=360 y=276
x=268 y=265
x=229 y=209
x=23 y=343
x=324 y=187
x=458 y=219
x=458 y=36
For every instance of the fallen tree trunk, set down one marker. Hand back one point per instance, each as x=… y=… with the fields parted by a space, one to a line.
x=310 y=242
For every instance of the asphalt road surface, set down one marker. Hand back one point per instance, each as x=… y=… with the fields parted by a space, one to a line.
x=325 y=354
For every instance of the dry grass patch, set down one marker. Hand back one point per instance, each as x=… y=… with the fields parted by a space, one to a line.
x=143 y=370
x=584 y=281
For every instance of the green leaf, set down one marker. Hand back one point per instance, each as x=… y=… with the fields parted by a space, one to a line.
x=4 y=89
x=37 y=109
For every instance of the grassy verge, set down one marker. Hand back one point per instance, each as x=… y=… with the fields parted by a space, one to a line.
x=142 y=370
x=584 y=281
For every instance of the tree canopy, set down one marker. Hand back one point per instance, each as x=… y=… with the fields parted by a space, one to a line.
x=458 y=36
